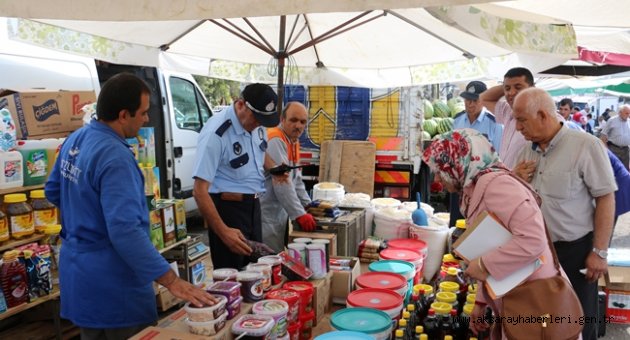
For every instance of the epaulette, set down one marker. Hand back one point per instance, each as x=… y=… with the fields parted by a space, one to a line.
x=491 y=116
x=459 y=114
x=221 y=130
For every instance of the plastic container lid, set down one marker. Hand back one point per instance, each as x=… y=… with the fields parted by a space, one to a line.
x=377 y=298
x=321 y=240
x=14 y=198
x=448 y=258
x=461 y=223
x=368 y=320
x=270 y=259
x=208 y=310
x=302 y=240
x=284 y=294
x=384 y=280
x=344 y=335
x=441 y=307
x=418 y=246
x=37 y=194
x=470 y=299
x=10 y=255
x=447 y=297
x=448 y=286
x=468 y=308
x=254 y=325
x=224 y=286
x=270 y=307
x=428 y=290
x=403 y=268
x=224 y=273
x=249 y=276
x=472 y=288
x=400 y=254
x=452 y=271
x=51 y=229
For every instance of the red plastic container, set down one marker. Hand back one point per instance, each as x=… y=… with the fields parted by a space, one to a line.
x=382 y=299
x=405 y=255
x=306 y=325
x=289 y=296
x=418 y=246
x=384 y=280
x=305 y=289
x=294 y=330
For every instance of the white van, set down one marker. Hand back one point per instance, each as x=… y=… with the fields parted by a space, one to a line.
x=178 y=107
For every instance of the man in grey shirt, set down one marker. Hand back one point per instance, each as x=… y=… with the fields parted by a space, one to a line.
x=571 y=171
x=616 y=135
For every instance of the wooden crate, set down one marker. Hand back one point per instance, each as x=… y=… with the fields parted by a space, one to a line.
x=350 y=163
x=349 y=228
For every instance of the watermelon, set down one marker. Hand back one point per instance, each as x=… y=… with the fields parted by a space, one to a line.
x=455 y=105
x=426 y=136
x=427 y=108
x=445 y=125
x=430 y=126
x=440 y=109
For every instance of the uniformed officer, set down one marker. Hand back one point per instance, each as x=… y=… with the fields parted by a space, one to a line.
x=475 y=116
x=229 y=174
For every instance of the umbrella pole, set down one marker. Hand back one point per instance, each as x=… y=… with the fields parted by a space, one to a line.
x=281 y=56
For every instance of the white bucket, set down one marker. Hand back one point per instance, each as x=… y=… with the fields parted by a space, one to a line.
x=328 y=191
x=435 y=238
x=390 y=223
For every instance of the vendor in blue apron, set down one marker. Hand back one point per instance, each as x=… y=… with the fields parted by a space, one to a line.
x=229 y=174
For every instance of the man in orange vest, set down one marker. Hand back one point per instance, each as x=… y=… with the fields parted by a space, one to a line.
x=284 y=200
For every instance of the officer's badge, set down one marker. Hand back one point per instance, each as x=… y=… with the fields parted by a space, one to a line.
x=261 y=134
x=237 y=148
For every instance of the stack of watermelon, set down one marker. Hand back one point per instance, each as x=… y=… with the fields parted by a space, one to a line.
x=438 y=117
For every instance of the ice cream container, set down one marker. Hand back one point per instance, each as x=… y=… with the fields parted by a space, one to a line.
x=251 y=285
x=277 y=309
x=306 y=325
x=404 y=268
x=207 y=328
x=317 y=262
x=257 y=327
x=383 y=280
x=373 y=322
x=297 y=251
x=276 y=267
x=344 y=335
x=404 y=255
x=418 y=246
x=291 y=297
x=224 y=274
x=234 y=308
x=305 y=289
x=265 y=269
x=382 y=299
x=207 y=313
x=327 y=250
x=305 y=240
x=231 y=290
x=294 y=330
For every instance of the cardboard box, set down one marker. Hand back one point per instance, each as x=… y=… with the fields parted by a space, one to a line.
x=180 y=219
x=342 y=281
x=168 y=224
x=155 y=228
x=321 y=297
x=166 y=300
x=332 y=238
x=38 y=113
x=174 y=327
x=618 y=294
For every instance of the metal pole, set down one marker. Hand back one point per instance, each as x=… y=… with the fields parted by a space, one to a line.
x=281 y=55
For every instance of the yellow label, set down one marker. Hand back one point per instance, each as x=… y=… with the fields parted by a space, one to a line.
x=22 y=225
x=45 y=217
x=4 y=230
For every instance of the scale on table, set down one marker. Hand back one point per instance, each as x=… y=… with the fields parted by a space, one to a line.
x=197 y=249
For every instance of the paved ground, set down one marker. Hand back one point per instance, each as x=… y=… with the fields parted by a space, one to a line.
x=621 y=239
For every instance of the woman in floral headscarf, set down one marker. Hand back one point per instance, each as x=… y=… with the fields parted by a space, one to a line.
x=464 y=162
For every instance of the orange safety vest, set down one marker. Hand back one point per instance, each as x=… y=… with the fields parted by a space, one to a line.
x=293 y=149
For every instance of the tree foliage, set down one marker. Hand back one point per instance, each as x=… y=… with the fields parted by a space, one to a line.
x=218 y=91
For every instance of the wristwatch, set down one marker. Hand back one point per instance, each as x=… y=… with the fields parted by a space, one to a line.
x=601 y=253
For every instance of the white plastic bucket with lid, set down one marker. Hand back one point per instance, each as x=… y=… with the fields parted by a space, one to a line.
x=392 y=223
x=435 y=239
x=328 y=191
x=207 y=313
x=11 y=170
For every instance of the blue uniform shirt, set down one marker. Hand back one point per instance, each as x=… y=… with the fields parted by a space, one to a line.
x=229 y=157
x=485 y=123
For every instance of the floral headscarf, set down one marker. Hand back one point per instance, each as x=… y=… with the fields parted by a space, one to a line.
x=461 y=156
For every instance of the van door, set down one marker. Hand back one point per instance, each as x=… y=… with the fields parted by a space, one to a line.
x=189 y=113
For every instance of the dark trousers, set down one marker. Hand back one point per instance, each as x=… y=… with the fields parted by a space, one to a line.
x=622 y=152
x=453 y=209
x=572 y=257
x=245 y=216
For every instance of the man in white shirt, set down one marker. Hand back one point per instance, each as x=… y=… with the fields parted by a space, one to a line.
x=616 y=135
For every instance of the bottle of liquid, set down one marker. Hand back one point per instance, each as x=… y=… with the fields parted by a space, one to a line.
x=460 y=229
x=13 y=279
x=403 y=327
x=486 y=334
x=431 y=325
x=446 y=326
x=399 y=335
x=448 y=337
x=422 y=307
x=413 y=317
x=462 y=331
x=417 y=332
x=454 y=275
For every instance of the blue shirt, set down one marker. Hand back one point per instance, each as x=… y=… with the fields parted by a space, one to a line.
x=485 y=123
x=573 y=125
x=229 y=157
x=107 y=262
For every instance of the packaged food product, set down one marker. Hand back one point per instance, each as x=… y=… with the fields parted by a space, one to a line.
x=20 y=215
x=224 y=274
x=207 y=313
x=231 y=290
x=277 y=309
x=257 y=327
x=207 y=327
x=44 y=212
x=251 y=285
x=234 y=308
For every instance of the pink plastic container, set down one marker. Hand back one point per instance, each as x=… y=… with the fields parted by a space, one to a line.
x=231 y=290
